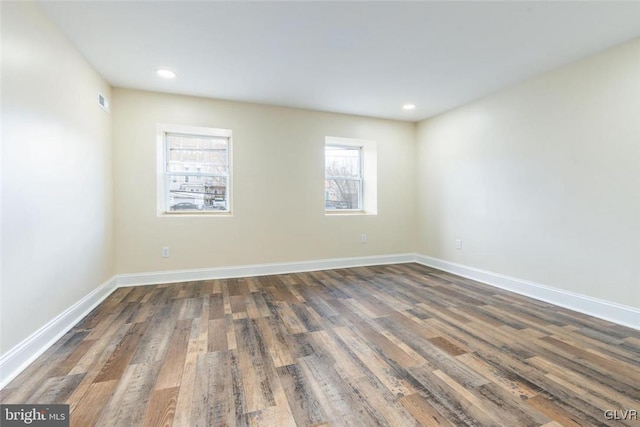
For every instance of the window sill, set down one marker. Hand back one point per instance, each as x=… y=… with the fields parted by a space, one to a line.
x=193 y=214
x=348 y=213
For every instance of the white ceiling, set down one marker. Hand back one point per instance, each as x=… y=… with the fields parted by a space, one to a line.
x=366 y=58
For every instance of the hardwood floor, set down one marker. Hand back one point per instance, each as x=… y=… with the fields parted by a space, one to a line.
x=393 y=345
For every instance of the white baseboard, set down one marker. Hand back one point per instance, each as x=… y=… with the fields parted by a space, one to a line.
x=607 y=310
x=22 y=355
x=173 y=276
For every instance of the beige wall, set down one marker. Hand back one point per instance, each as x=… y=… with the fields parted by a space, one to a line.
x=542 y=181
x=56 y=175
x=278 y=187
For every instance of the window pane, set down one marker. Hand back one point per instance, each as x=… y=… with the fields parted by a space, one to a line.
x=342 y=161
x=342 y=194
x=198 y=154
x=205 y=193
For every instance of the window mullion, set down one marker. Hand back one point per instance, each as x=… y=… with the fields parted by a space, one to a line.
x=205 y=174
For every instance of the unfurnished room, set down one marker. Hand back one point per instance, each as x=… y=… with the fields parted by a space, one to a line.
x=320 y=213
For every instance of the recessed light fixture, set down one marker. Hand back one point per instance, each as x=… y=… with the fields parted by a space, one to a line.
x=166 y=74
x=409 y=107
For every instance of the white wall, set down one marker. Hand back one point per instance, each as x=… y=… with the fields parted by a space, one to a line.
x=278 y=187
x=542 y=181
x=57 y=193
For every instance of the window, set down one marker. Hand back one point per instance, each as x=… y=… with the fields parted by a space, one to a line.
x=343 y=177
x=350 y=176
x=194 y=166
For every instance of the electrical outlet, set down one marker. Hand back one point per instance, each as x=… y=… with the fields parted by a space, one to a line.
x=363 y=238
x=458 y=244
x=165 y=252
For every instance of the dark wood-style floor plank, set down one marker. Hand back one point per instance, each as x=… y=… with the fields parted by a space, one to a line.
x=396 y=345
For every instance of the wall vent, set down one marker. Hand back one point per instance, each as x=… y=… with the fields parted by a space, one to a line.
x=103 y=102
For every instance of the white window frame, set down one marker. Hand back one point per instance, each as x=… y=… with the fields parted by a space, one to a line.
x=359 y=178
x=368 y=197
x=164 y=176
